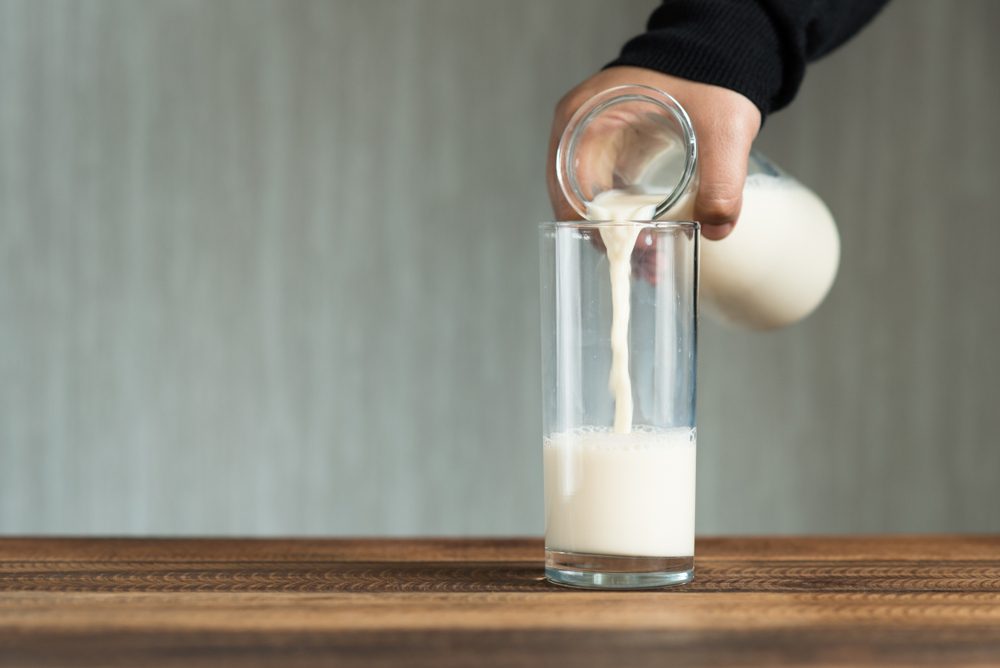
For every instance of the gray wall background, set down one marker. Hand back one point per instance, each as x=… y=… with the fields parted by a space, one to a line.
x=271 y=267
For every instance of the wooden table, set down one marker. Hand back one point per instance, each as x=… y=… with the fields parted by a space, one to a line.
x=448 y=602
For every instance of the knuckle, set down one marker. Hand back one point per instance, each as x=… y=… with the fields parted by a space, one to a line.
x=718 y=205
x=570 y=102
x=566 y=106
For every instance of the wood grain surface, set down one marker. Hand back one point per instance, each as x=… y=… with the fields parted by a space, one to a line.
x=903 y=600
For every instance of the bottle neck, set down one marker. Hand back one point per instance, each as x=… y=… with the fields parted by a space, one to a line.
x=634 y=138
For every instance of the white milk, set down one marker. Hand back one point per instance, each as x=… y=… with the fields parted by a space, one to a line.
x=620 y=494
x=619 y=240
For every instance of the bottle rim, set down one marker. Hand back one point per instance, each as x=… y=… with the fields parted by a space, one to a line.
x=589 y=110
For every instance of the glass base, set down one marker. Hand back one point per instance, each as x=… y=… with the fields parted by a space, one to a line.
x=603 y=571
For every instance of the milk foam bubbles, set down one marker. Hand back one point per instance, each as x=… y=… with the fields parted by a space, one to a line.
x=620 y=494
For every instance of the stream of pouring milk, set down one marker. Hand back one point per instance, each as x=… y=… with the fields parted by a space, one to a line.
x=621 y=207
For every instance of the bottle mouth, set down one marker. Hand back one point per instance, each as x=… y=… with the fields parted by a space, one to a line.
x=633 y=137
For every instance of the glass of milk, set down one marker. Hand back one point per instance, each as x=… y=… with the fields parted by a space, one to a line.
x=619 y=329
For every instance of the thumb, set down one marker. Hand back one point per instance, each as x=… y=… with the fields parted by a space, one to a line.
x=723 y=154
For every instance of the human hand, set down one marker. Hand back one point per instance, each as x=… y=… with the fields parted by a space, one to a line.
x=725 y=123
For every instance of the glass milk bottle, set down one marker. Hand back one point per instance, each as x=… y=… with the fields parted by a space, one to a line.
x=633 y=149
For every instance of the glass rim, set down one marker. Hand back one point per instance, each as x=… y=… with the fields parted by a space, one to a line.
x=645 y=224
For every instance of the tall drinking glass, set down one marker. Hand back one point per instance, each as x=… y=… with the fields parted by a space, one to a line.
x=619 y=332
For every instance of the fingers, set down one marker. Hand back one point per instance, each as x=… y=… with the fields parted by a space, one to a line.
x=645 y=256
x=725 y=123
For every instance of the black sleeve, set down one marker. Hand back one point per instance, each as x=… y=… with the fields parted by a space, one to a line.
x=756 y=47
